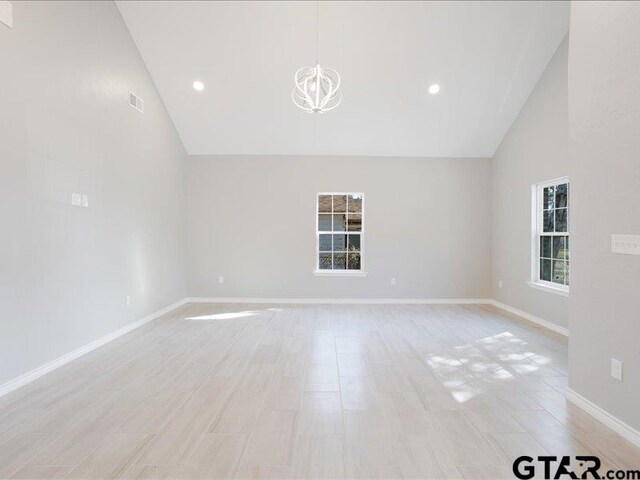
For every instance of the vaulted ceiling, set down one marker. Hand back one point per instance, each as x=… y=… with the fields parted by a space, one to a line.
x=486 y=56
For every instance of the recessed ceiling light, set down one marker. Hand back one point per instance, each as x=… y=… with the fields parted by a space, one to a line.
x=198 y=86
x=433 y=89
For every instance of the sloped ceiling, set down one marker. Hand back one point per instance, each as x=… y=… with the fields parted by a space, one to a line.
x=486 y=56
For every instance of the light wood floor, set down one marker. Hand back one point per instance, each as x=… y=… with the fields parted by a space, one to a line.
x=224 y=391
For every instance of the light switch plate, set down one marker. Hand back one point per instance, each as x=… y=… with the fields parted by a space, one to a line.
x=625 y=244
x=616 y=369
x=6 y=13
x=76 y=199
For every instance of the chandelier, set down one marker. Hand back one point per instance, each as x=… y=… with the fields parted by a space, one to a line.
x=317 y=89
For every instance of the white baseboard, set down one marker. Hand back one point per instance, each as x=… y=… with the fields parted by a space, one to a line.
x=344 y=301
x=60 y=361
x=614 y=423
x=532 y=318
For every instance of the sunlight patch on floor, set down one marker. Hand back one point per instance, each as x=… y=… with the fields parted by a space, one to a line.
x=225 y=316
x=458 y=373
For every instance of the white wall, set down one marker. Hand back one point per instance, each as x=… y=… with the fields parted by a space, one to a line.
x=534 y=150
x=252 y=220
x=65 y=126
x=604 y=114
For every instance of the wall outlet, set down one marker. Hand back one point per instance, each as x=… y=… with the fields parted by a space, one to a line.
x=220 y=279
x=393 y=281
x=616 y=369
x=499 y=283
x=127 y=300
x=85 y=201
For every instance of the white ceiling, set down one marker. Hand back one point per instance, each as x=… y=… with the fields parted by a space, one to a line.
x=487 y=57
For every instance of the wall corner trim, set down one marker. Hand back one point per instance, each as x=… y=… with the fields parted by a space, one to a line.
x=344 y=301
x=614 y=423
x=532 y=318
x=38 y=372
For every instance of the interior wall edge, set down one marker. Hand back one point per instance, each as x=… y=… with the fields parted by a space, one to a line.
x=72 y=273
x=534 y=150
x=532 y=318
x=48 y=367
x=614 y=423
x=344 y=301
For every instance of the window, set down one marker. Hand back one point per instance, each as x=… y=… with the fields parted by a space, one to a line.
x=339 y=229
x=550 y=262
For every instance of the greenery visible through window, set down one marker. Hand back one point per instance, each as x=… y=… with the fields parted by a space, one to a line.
x=339 y=231
x=552 y=252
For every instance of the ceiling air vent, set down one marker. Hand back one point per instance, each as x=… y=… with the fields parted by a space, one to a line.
x=6 y=13
x=136 y=102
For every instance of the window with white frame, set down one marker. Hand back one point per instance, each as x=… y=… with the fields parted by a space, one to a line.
x=339 y=230
x=550 y=263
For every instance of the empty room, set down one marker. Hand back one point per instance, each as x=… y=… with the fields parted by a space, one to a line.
x=319 y=239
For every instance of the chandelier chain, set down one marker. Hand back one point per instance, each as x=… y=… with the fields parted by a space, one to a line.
x=317 y=89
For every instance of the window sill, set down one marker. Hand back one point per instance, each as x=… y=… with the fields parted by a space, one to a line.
x=339 y=273
x=547 y=288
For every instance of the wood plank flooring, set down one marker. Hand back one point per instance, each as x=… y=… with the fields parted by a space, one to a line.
x=264 y=391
